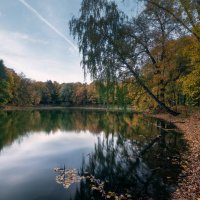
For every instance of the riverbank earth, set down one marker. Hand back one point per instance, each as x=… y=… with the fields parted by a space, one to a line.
x=189 y=181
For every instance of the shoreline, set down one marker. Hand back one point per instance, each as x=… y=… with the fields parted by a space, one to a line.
x=189 y=185
x=28 y=108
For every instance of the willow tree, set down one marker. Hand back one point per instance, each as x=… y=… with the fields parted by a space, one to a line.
x=111 y=44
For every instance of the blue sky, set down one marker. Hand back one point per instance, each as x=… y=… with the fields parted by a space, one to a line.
x=35 y=39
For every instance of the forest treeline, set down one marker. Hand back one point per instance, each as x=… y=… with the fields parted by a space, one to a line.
x=17 y=90
x=181 y=76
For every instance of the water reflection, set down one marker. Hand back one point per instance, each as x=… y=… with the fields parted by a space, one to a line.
x=14 y=124
x=146 y=171
x=126 y=152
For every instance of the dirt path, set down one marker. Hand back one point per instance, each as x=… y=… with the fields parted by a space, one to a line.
x=189 y=186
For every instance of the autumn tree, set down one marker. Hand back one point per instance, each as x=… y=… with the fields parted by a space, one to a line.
x=92 y=94
x=80 y=94
x=190 y=81
x=5 y=89
x=66 y=93
x=112 y=45
x=24 y=91
x=186 y=13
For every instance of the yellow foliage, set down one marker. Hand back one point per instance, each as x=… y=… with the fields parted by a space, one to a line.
x=191 y=84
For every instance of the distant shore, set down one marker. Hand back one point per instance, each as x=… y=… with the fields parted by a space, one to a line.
x=13 y=108
x=46 y=107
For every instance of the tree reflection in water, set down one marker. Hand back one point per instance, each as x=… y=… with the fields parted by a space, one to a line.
x=143 y=172
x=16 y=124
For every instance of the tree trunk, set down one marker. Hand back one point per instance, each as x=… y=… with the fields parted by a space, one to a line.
x=162 y=92
x=160 y=103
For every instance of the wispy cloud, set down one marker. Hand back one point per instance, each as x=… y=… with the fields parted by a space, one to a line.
x=29 y=7
x=27 y=38
x=16 y=52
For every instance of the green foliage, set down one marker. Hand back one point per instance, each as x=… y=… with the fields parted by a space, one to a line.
x=66 y=93
x=92 y=94
x=99 y=24
x=5 y=85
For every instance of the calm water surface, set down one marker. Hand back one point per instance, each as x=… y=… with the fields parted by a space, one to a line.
x=126 y=152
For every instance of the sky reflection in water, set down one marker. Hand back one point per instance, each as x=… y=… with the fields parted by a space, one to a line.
x=26 y=167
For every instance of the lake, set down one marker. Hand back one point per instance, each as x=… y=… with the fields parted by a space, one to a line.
x=85 y=154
